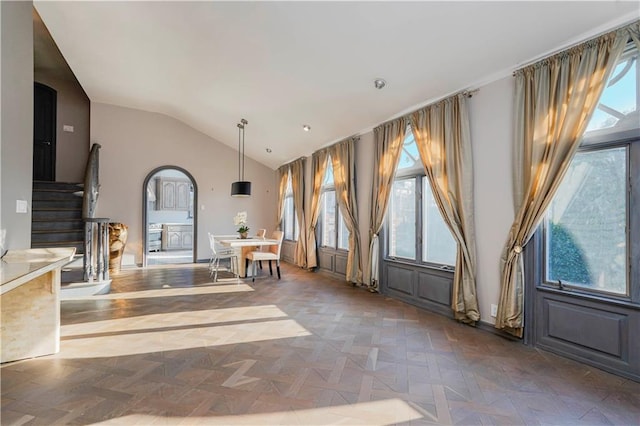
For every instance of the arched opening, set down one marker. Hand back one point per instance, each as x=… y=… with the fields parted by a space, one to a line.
x=169 y=217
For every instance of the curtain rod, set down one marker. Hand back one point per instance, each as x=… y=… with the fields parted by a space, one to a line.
x=355 y=138
x=468 y=93
x=569 y=46
x=291 y=162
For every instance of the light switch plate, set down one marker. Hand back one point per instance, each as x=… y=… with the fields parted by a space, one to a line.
x=21 y=206
x=67 y=128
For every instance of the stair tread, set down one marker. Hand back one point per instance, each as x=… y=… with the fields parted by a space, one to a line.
x=58 y=220
x=69 y=190
x=56 y=231
x=55 y=209
x=53 y=182
x=51 y=243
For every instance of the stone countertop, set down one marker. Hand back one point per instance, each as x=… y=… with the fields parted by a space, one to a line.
x=20 y=266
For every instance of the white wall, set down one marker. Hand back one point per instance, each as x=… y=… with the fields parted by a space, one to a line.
x=491 y=117
x=135 y=142
x=364 y=181
x=16 y=138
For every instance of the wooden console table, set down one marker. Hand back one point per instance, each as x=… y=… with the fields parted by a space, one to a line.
x=30 y=300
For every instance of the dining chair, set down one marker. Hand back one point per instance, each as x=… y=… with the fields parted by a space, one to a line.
x=218 y=253
x=273 y=253
x=246 y=250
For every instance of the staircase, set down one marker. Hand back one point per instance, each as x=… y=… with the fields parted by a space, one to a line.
x=57 y=215
x=63 y=215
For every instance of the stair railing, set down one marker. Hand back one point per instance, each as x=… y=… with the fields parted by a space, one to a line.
x=96 y=230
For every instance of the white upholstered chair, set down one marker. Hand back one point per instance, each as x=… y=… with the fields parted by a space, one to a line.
x=218 y=253
x=261 y=234
x=273 y=253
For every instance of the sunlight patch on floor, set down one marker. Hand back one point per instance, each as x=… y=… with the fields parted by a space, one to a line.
x=151 y=322
x=384 y=412
x=113 y=345
x=206 y=288
x=176 y=331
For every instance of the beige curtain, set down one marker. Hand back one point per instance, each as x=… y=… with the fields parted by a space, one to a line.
x=443 y=138
x=297 y=183
x=318 y=167
x=344 y=177
x=388 y=139
x=554 y=101
x=282 y=175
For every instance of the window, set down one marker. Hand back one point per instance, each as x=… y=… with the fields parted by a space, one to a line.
x=587 y=228
x=402 y=226
x=289 y=217
x=334 y=232
x=415 y=228
x=438 y=245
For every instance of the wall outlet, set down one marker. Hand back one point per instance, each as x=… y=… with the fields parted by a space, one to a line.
x=494 y=310
x=67 y=128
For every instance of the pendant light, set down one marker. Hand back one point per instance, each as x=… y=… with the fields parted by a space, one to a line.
x=241 y=188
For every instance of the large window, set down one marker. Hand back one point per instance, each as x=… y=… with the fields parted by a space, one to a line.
x=588 y=227
x=334 y=232
x=415 y=228
x=289 y=217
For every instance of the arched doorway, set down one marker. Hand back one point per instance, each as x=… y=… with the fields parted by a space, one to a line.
x=169 y=217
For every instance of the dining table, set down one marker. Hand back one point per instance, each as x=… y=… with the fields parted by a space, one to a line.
x=243 y=246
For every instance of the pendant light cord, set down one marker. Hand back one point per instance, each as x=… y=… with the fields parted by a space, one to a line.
x=241 y=126
x=239 y=152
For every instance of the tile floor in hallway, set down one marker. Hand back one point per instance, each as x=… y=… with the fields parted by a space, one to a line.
x=168 y=346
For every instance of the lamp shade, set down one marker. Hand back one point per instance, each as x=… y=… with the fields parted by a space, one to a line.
x=241 y=189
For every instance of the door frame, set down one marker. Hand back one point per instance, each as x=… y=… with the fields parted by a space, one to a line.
x=54 y=120
x=145 y=212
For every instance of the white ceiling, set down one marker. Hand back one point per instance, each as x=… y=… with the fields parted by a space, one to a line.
x=284 y=64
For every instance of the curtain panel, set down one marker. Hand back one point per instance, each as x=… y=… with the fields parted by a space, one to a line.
x=554 y=101
x=297 y=183
x=344 y=177
x=282 y=174
x=318 y=168
x=388 y=140
x=443 y=138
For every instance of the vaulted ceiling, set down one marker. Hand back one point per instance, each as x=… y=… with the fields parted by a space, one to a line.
x=281 y=65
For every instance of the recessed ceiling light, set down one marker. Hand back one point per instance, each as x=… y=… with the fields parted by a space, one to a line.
x=379 y=83
x=268 y=150
x=306 y=127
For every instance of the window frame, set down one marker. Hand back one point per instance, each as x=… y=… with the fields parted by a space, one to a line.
x=328 y=185
x=593 y=141
x=416 y=178
x=288 y=197
x=415 y=172
x=631 y=141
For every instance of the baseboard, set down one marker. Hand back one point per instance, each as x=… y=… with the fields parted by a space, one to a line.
x=490 y=328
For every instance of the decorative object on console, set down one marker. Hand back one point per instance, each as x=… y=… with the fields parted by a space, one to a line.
x=240 y=220
x=117 y=239
x=241 y=188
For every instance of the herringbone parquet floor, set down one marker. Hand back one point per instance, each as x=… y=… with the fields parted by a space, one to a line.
x=167 y=346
